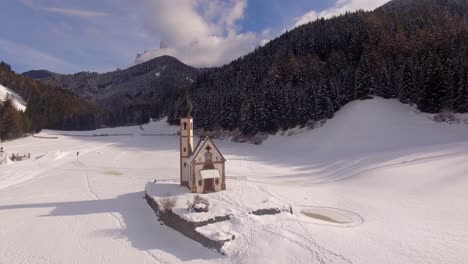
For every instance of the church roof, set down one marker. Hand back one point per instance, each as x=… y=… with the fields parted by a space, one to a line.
x=199 y=147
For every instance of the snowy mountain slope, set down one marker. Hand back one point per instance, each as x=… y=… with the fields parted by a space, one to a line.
x=379 y=183
x=19 y=102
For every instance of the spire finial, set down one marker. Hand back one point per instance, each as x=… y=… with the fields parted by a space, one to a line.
x=189 y=102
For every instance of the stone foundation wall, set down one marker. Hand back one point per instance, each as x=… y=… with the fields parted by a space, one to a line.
x=187 y=228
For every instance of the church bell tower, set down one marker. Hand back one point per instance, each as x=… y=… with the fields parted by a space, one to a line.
x=186 y=148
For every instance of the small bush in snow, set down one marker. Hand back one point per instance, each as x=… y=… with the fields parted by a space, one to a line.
x=446 y=118
x=199 y=204
x=167 y=203
x=258 y=139
x=311 y=124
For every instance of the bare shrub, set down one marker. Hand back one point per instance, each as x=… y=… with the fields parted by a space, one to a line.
x=446 y=118
x=258 y=139
x=311 y=124
x=199 y=204
x=167 y=203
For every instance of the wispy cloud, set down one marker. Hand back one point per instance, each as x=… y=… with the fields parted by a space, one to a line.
x=34 y=58
x=340 y=7
x=62 y=10
x=73 y=12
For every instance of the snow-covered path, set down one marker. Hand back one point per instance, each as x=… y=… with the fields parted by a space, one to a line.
x=391 y=190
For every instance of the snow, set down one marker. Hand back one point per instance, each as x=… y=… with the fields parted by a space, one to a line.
x=18 y=102
x=230 y=202
x=378 y=183
x=4 y=159
x=219 y=231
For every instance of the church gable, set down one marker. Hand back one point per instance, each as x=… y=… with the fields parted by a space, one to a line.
x=206 y=151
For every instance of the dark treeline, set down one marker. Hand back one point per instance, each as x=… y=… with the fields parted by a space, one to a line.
x=412 y=50
x=48 y=107
x=13 y=123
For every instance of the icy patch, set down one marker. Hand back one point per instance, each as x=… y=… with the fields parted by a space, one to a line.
x=335 y=216
x=327 y=216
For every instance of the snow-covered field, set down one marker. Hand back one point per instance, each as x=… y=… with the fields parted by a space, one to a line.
x=18 y=102
x=379 y=183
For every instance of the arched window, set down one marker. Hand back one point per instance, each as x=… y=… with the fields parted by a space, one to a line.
x=208 y=159
x=185 y=149
x=185 y=125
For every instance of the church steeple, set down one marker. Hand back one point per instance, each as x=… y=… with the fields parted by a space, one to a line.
x=186 y=142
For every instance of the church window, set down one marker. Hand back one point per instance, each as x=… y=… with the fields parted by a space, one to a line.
x=185 y=149
x=185 y=125
x=208 y=159
x=208 y=154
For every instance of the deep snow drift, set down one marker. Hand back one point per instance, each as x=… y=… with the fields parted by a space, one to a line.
x=379 y=183
x=18 y=102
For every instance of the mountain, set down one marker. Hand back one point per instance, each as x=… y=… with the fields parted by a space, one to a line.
x=412 y=50
x=152 y=53
x=129 y=96
x=39 y=74
x=47 y=107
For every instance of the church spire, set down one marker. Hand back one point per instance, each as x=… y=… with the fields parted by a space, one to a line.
x=188 y=101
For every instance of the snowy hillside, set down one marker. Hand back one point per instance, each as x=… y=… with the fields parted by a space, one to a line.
x=379 y=183
x=19 y=102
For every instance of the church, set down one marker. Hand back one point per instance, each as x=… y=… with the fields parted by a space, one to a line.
x=202 y=168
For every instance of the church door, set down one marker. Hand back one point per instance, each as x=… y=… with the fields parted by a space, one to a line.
x=208 y=185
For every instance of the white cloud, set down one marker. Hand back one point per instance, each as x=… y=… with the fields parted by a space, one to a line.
x=200 y=33
x=340 y=7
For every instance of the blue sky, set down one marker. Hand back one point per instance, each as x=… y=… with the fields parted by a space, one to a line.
x=68 y=36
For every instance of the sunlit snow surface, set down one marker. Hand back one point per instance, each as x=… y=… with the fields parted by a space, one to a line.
x=379 y=183
x=18 y=102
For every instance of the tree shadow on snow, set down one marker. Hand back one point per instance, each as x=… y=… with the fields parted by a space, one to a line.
x=140 y=225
